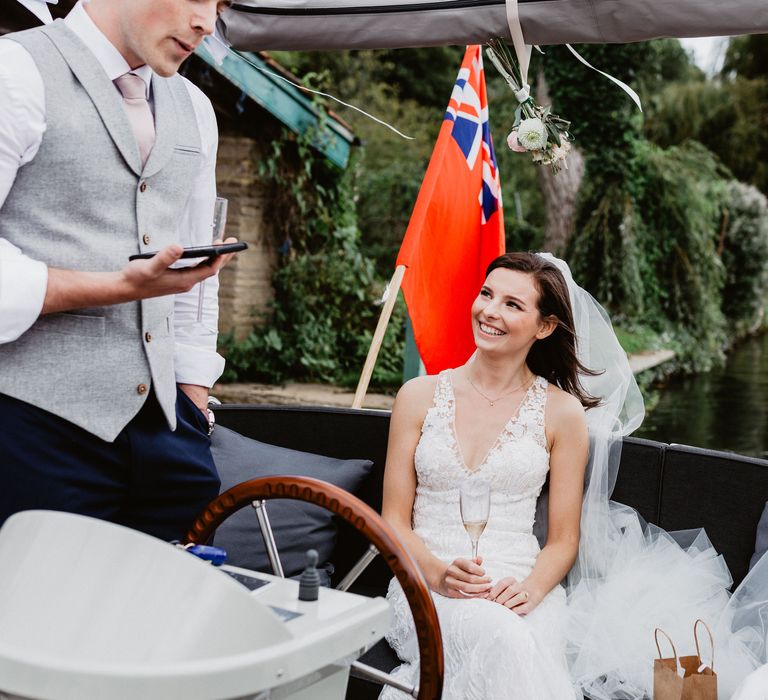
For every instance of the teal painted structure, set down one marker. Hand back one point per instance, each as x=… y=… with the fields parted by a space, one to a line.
x=412 y=364
x=285 y=102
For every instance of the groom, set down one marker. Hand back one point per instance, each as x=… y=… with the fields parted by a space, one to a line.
x=104 y=369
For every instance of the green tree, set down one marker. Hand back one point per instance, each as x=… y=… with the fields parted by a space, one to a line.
x=747 y=56
x=729 y=115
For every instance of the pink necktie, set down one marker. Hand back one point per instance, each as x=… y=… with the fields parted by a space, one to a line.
x=134 y=92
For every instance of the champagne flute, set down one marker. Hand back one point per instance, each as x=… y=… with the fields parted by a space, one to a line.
x=219 y=224
x=475 y=504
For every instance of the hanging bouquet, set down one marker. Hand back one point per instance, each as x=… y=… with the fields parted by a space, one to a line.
x=536 y=130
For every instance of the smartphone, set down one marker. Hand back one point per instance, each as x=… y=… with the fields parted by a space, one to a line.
x=203 y=251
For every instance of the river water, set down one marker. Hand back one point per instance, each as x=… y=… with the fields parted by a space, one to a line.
x=725 y=409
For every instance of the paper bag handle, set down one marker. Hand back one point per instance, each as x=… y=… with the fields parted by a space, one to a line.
x=671 y=643
x=696 y=639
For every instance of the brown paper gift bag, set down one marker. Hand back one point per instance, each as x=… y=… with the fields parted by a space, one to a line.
x=698 y=680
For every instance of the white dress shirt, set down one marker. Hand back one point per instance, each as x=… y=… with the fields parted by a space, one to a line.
x=23 y=281
x=39 y=8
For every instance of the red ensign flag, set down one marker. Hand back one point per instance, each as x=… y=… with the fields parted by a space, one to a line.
x=457 y=226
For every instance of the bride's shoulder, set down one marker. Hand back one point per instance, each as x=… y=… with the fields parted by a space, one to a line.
x=416 y=396
x=419 y=388
x=563 y=406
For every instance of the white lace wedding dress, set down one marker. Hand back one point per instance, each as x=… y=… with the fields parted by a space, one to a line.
x=490 y=652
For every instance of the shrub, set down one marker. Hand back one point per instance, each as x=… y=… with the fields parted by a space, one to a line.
x=744 y=248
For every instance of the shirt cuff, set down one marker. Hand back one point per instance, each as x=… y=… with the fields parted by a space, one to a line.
x=23 y=284
x=197 y=365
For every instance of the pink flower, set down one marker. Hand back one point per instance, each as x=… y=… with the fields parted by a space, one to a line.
x=512 y=142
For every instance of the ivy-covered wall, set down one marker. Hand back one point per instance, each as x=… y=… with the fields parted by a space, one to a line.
x=321 y=321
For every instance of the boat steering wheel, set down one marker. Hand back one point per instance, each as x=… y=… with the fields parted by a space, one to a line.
x=371 y=525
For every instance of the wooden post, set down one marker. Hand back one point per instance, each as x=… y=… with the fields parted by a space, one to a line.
x=378 y=336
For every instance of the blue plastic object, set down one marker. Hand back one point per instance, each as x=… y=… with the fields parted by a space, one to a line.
x=216 y=555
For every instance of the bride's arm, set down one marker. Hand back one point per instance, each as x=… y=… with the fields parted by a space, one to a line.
x=411 y=405
x=569 y=450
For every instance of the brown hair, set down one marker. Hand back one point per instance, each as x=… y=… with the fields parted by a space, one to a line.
x=553 y=357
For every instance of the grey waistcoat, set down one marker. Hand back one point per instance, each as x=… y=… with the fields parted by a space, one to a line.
x=84 y=203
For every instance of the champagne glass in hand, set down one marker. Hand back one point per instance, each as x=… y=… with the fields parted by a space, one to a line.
x=475 y=504
x=219 y=224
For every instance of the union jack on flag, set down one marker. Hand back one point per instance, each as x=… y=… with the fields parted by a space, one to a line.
x=457 y=226
x=468 y=110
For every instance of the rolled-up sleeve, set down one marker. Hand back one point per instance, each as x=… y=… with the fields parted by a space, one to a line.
x=23 y=281
x=196 y=314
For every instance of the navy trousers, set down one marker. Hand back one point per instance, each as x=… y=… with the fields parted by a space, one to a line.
x=149 y=478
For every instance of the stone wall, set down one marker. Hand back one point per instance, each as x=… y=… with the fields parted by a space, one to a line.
x=246 y=283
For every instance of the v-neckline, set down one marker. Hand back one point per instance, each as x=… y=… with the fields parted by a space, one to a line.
x=513 y=419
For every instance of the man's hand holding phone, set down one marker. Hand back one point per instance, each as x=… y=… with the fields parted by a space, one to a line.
x=139 y=279
x=152 y=274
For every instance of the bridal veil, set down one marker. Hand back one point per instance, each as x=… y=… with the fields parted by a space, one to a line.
x=631 y=577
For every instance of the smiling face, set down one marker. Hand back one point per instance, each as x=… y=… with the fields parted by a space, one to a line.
x=505 y=314
x=159 y=33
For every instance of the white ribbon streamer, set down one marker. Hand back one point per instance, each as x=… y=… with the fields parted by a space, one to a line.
x=618 y=82
x=220 y=59
x=523 y=52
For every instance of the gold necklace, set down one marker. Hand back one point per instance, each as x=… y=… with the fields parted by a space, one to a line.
x=504 y=395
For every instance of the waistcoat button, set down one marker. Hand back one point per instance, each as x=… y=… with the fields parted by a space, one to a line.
x=148 y=337
x=146 y=239
x=141 y=389
x=143 y=186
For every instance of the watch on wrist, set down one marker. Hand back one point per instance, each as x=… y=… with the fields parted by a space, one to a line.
x=212 y=401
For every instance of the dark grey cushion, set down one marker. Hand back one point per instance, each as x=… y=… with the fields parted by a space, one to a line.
x=298 y=526
x=761 y=541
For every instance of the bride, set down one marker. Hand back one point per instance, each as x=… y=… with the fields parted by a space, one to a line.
x=547 y=395
x=501 y=417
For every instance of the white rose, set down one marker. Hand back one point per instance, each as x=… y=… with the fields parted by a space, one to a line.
x=532 y=134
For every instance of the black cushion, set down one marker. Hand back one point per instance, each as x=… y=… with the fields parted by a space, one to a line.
x=297 y=526
x=761 y=541
x=337 y=432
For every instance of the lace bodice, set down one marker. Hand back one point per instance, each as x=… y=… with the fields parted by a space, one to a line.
x=516 y=466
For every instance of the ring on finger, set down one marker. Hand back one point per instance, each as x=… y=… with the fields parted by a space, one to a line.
x=525 y=595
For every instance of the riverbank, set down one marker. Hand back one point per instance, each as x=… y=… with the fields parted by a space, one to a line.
x=299 y=393
x=295 y=394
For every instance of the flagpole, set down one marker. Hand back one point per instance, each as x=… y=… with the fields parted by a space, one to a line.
x=378 y=336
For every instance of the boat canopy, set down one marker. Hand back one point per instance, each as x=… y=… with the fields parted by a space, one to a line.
x=256 y=25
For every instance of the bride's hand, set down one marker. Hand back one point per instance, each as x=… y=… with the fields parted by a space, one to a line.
x=464 y=578
x=513 y=594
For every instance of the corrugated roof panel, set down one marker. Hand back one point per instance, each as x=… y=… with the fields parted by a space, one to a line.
x=285 y=102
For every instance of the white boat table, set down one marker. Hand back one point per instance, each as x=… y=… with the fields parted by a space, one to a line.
x=332 y=631
x=94 y=611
